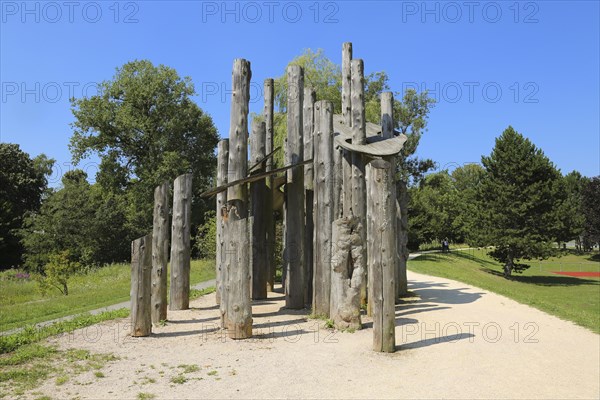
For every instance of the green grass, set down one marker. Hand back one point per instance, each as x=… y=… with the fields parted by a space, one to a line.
x=195 y=293
x=21 y=302
x=31 y=334
x=569 y=298
x=31 y=365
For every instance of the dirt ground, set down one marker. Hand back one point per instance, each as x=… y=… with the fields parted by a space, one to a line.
x=453 y=341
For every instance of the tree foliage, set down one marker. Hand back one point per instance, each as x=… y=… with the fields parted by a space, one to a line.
x=206 y=237
x=411 y=109
x=591 y=210
x=443 y=206
x=23 y=182
x=57 y=271
x=517 y=202
x=146 y=129
x=77 y=219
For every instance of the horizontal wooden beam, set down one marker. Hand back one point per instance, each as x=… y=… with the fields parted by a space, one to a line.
x=252 y=178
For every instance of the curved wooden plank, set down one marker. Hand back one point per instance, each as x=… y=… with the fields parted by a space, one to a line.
x=376 y=145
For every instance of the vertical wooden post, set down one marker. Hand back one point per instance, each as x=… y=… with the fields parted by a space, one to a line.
x=236 y=310
x=180 y=243
x=270 y=220
x=310 y=97
x=259 y=194
x=359 y=136
x=347 y=116
x=222 y=161
x=338 y=182
x=323 y=206
x=402 y=235
x=387 y=131
x=346 y=272
x=381 y=245
x=141 y=272
x=160 y=252
x=294 y=202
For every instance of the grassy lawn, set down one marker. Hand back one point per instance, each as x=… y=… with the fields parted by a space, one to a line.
x=570 y=298
x=21 y=303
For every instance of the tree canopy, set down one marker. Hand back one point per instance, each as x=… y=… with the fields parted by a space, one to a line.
x=146 y=129
x=23 y=182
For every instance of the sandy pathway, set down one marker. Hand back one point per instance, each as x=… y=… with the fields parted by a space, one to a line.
x=455 y=341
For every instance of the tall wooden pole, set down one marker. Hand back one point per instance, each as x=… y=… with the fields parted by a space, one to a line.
x=236 y=309
x=160 y=252
x=381 y=245
x=402 y=209
x=180 y=243
x=323 y=206
x=141 y=271
x=347 y=117
x=294 y=201
x=270 y=220
x=310 y=96
x=359 y=136
x=387 y=131
x=259 y=194
x=222 y=161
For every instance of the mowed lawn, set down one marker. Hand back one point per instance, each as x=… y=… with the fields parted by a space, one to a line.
x=570 y=298
x=21 y=302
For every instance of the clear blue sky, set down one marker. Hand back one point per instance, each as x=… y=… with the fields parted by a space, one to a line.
x=532 y=65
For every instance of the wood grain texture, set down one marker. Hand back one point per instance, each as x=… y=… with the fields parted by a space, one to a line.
x=179 y=298
x=259 y=194
x=346 y=273
x=323 y=207
x=222 y=162
x=294 y=204
x=141 y=277
x=381 y=245
x=160 y=252
x=269 y=104
x=235 y=306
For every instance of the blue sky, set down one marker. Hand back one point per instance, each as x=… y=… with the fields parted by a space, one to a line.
x=533 y=65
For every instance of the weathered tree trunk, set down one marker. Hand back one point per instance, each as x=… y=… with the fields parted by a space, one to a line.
x=160 y=252
x=387 y=132
x=141 y=277
x=359 y=136
x=338 y=182
x=381 y=245
x=294 y=202
x=347 y=116
x=323 y=206
x=309 y=99
x=222 y=161
x=346 y=273
x=259 y=194
x=236 y=309
x=270 y=220
x=402 y=235
x=180 y=243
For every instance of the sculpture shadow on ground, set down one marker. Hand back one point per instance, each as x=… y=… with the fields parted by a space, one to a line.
x=192 y=321
x=435 y=340
x=546 y=280
x=397 y=322
x=436 y=292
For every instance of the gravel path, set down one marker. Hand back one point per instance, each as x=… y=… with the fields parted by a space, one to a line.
x=454 y=341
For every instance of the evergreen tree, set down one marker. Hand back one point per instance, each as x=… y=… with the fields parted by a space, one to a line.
x=517 y=202
x=591 y=210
